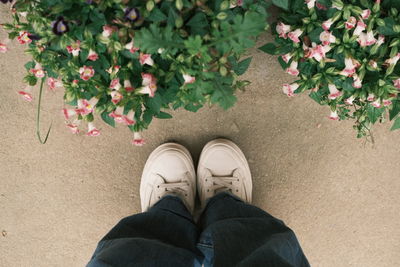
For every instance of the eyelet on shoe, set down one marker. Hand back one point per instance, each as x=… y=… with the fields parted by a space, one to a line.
x=208 y=190
x=158 y=186
x=237 y=190
x=238 y=180
x=185 y=195
x=206 y=180
x=159 y=197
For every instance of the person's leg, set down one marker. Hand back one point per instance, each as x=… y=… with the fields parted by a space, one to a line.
x=236 y=233
x=164 y=234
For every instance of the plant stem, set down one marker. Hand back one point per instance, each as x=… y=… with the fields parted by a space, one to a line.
x=38 y=116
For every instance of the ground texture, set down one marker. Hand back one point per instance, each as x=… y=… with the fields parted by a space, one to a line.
x=339 y=194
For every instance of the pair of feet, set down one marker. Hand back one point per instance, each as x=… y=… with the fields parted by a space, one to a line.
x=169 y=170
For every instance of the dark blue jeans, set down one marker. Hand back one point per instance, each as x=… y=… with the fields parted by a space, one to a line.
x=229 y=233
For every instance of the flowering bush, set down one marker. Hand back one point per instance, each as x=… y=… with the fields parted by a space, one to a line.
x=128 y=59
x=345 y=53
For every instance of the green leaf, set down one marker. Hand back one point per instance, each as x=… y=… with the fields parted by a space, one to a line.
x=107 y=119
x=242 y=66
x=388 y=28
x=269 y=48
x=163 y=115
x=154 y=103
x=374 y=113
x=223 y=93
x=152 y=38
x=30 y=65
x=395 y=110
x=396 y=124
x=281 y=3
x=157 y=15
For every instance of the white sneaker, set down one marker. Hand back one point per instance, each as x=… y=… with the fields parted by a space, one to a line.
x=223 y=167
x=169 y=170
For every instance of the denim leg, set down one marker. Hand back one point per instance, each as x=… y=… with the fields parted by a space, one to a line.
x=163 y=236
x=239 y=234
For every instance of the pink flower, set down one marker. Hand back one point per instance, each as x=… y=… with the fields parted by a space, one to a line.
x=287 y=57
x=146 y=59
x=149 y=84
x=321 y=6
x=114 y=69
x=26 y=93
x=371 y=97
x=69 y=112
x=357 y=82
x=349 y=101
x=289 y=89
x=3 y=45
x=366 y=39
x=74 y=126
x=115 y=85
x=294 y=35
x=129 y=118
x=128 y=86
x=397 y=83
x=326 y=25
x=351 y=23
x=117 y=115
x=93 y=56
x=86 y=72
x=393 y=60
x=366 y=13
x=334 y=116
x=327 y=38
x=381 y=40
x=318 y=52
x=107 y=30
x=188 y=79
x=373 y=64
x=138 y=139
x=377 y=104
x=86 y=107
x=116 y=97
x=310 y=3
x=282 y=29
x=92 y=130
x=387 y=102
x=37 y=71
x=53 y=83
x=292 y=70
x=23 y=38
x=360 y=28
x=350 y=68
x=333 y=92
x=74 y=48
x=131 y=47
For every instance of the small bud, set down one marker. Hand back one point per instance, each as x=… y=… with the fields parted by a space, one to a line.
x=306 y=20
x=150 y=5
x=357 y=10
x=393 y=12
x=396 y=28
x=179 y=4
x=178 y=22
x=224 y=5
x=223 y=60
x=337 y=3
x=380 y=22
x=223 y=71
x=222 y=16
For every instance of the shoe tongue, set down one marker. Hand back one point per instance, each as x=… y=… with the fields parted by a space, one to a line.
x=222 y=173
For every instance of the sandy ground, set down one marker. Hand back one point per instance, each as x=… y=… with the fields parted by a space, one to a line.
x=338 y=193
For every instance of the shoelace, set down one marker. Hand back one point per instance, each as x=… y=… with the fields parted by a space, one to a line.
x=180 y=188
x=222 y=183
